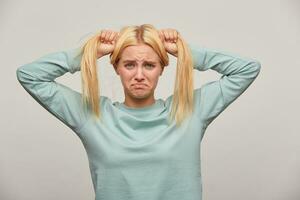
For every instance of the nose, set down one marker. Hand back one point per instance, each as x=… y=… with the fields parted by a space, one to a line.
x=139 y=75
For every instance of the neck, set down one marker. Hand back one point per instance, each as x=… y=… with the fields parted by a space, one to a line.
x=139 y=103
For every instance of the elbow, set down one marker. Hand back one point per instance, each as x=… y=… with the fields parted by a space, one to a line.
x=258 y=67
x=19 y=74
x=22 y=75
x=255 y=66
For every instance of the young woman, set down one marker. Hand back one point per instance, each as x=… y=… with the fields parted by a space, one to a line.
x=142 y=148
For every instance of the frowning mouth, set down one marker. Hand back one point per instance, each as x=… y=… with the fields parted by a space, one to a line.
x=139 y=85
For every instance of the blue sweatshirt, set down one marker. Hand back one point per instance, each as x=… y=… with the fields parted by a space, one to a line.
x=135 y=154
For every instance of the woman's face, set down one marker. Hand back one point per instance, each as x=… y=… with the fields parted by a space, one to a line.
x=139 y=69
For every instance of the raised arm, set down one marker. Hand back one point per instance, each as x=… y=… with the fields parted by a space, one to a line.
x=38 y=79
x=237 y=75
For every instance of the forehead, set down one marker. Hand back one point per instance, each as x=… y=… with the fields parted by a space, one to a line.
x=139 y=52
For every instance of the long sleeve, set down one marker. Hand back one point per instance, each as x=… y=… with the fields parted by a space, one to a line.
x=38 y=79
x=237 y=75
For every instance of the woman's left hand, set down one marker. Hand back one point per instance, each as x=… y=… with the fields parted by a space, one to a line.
x=169 y=38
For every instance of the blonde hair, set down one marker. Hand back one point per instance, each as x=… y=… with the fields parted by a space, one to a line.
x=182 y=102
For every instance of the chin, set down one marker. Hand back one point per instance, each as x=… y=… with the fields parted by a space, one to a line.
x=140 y=94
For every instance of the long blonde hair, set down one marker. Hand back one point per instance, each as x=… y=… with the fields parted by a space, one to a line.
x=182 y=102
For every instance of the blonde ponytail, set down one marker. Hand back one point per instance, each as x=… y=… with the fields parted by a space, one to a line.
x=89 y=78
x=183 y=93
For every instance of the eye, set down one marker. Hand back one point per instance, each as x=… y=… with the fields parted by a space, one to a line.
x=150 y=65
x=129 y=65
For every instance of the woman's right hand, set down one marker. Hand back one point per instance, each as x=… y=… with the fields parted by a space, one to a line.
x=107 y=43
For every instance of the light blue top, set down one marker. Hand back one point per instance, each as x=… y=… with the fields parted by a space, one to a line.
x=135 y=154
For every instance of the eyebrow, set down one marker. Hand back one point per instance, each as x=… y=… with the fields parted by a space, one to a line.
x=147 y=61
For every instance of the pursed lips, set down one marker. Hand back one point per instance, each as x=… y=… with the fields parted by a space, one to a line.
x=139 y=85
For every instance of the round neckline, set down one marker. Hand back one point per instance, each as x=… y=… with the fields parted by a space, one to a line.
x=145 y=108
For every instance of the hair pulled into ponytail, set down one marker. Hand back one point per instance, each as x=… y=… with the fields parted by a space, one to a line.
x=182 y=100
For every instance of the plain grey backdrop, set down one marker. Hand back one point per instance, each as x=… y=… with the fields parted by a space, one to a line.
x=251 y=151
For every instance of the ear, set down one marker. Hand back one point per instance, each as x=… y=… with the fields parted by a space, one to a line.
x=162 y=69
x=116 y=69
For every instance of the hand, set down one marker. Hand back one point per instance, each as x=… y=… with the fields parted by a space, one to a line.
x=108 y=40
x=169 y=38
